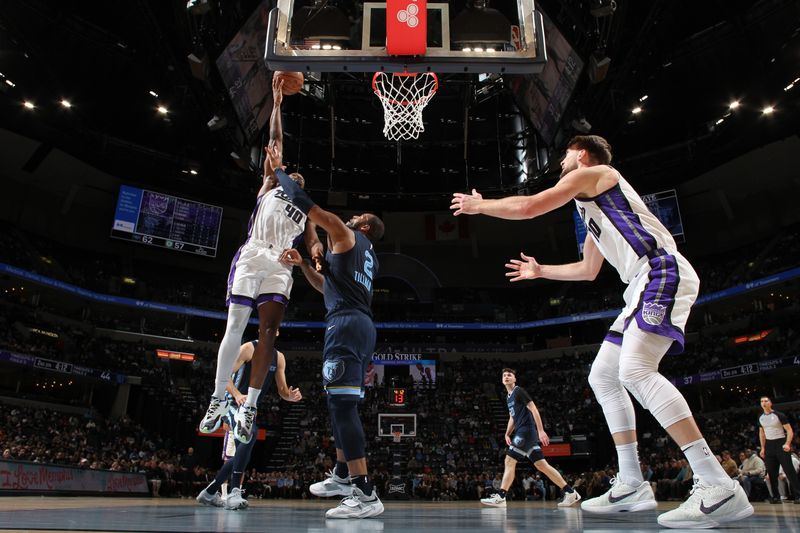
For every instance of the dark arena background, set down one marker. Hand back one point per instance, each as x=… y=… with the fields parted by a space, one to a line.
x=132 y=140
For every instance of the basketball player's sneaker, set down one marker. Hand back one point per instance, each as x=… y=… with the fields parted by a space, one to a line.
x=622 y=497
x=708 y=506
x=570 y=499
x=245 y=419
x=213 y=417
x=357 y=505
x=495 y=500
x=332 y=486
x=235 y=500
x=206 y=498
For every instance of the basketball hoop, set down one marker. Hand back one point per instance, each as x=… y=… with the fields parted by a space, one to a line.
x=396 y=436
x=404 y=96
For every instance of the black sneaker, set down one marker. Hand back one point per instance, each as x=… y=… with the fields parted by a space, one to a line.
x=775 y=501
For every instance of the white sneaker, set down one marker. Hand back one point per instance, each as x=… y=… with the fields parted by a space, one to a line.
x=708 y=506
x=570 y=499
x=206 y=498
x=213 y=417
x=359 y=505
x=622 y=497
x=245 y=419
x=332 y=486
x=495 y=500
x=236 y=500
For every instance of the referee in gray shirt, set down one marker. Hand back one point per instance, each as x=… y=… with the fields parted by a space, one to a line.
x=775 y=434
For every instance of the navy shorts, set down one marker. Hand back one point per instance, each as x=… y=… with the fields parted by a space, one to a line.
x=525 y=445
x=349 y=345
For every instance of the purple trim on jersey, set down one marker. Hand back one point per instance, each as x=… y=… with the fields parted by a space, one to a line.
x=271 y=297
x=232 y=274
x=616 y=207
x=654 y=310
x=241 y=300
x=252 y=221
x=614 y=338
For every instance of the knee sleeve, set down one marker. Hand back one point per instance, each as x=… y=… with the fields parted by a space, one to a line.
x=638 y=372
x=610 y=394
x=349 y=433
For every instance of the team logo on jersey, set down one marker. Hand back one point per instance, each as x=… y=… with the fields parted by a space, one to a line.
x=518 y=440
x=332 y=371
x=653 y=313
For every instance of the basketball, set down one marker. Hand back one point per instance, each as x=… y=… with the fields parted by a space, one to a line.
x=292 y=81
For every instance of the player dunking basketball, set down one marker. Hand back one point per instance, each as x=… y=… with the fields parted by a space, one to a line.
x=524 y=434
x=258 y=279
x=662 y=286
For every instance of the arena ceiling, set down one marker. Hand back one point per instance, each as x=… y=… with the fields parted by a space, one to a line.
x=689 y=59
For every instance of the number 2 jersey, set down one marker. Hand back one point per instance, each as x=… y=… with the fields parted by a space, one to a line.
x=662 y=285
x=348 y=278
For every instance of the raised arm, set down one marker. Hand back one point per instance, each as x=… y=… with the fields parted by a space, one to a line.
x=584 y=270
x=293 y=258
x=290 y=394
x=524 y=207
x=342 y=238
x=275 y=126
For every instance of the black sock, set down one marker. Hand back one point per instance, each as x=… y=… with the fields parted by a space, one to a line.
x=363 y=483
x=501 y=492
x=213 y=487
x=567 y=488
x=341 y=470
x=235 y=481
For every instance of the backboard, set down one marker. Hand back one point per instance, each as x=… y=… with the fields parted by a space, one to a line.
x=403 y=423
x=463 y=36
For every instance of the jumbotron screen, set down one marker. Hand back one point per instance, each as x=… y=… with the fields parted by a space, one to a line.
x=401 y=369
x=166 y=221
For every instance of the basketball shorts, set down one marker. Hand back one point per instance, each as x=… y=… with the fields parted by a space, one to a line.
x=659 y=298
x=349 y=345
x=255 y=272
x=525 y=445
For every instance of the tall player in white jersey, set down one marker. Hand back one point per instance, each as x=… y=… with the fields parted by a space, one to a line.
x=258 y=280
x=662 y=286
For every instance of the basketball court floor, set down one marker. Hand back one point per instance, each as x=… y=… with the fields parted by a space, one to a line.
x=27 y=513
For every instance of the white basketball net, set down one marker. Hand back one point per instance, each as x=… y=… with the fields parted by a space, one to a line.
x=403 y=97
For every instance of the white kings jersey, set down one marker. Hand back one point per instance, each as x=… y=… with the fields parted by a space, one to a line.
x=275 y=221
x=624 y=230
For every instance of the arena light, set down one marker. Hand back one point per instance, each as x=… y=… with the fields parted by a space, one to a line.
x=162 y=110
x=10 y=83
x=153 y=94
x=789 y=87
x=65 y=103
x=193 y=172
x=768 y=110
x=643 y=98
x=720 y=121
x=734 y=104
x=28 y=104
x=636 y=110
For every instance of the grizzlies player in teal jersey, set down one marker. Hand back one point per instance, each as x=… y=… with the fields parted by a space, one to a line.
x=233 y=470
x=346 y=279
x=523 y=436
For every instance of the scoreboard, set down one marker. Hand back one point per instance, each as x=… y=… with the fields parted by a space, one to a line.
x=166 y=221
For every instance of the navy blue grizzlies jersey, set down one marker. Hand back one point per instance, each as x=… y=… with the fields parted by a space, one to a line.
x=348 y=279
x=518 y=400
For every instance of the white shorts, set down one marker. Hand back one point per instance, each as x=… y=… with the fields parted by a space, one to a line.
x=256 y=272
x=659 y=298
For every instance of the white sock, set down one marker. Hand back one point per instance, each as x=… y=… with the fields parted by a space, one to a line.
x=229 y=347
x=252 y=396
x=705 y=464
x=630 y=472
